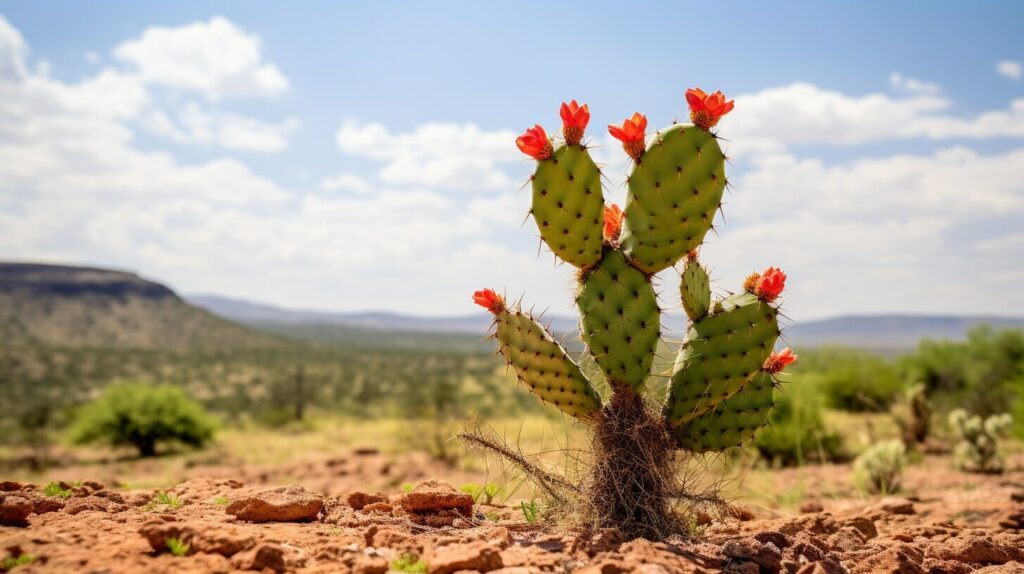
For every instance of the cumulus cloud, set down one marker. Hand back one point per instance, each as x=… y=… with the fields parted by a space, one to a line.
x=214 y=58
x=445 y=155
x=1011 y=69
x=195 y=125
x=905 y=83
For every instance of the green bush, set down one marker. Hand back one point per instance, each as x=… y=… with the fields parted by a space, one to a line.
x=978 y=449
x=142 y=416
x=797 y=433
x=853 y=380
x=879 y=469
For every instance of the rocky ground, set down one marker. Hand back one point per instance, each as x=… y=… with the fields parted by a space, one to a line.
x=222 y=525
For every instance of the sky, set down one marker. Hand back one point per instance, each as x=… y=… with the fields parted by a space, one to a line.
x=361 y=156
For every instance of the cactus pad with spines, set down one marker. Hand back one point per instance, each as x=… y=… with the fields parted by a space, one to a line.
x=674 y=191
x=568 y=205
x=620 y=319
x=543 y=365
x=721 y=354
x=695 y=290
x=733 y=421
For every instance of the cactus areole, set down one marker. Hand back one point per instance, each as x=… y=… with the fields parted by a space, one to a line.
x=721 y=387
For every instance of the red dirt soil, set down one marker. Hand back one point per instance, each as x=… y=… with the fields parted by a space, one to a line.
x=231 y=527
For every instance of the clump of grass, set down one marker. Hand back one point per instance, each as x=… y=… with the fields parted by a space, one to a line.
x=177 y=547
x=482 y=494
x=531 y=510
x=55 y=490
x=407 y=487
x=409 y=563
x=167 y=499
x=222 y=501
x=12 y=562
x=879 y=469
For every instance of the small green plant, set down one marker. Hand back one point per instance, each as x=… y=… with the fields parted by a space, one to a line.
x=978 y=449
x=531 y=510
x=55 y=490
x=482 y=494
x=409 y=563
x=12 y=562
x=177 y=547
x=142 y=416
x=222 y=501
x=798 y=433
x=164 y=498
x=878 y=470
x=407 y=487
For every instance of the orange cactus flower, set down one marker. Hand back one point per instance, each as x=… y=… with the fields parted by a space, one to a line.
x=535 y=143
x=574 y=121
x=705 y=110
x=631 y=134
x=770 y=284
x=612 y=223
x=777 y=362
x=750 y=284
x=489 y=300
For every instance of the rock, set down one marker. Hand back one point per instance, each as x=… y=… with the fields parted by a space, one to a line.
x=478 y=556
x=364 y=564
x=10 y=486
x=266 y=555
x=766 y=556
x=811 y=506
x=378 y=507
x=979 y=547
x=42 y=505
x=848 y=538
x=865 y=525
x=281 y=504
x=1008 y=568
x=94 y=503
x=893 y=505
x=433 y=496
x=365 y=451
x=1016 y=496
x=14 y=509
x=1012 y=519
x=779 y=539
x=396 y=540
x=226 y=540
x=359 y=500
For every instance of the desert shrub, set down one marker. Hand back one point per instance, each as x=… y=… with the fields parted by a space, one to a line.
x=409 y=564
x=797 y=432
x=984 y=374
x=142 y=416
x=857 y=381
x=878 y=470
x=177 y=547
x=913 y=416
x=978 y=449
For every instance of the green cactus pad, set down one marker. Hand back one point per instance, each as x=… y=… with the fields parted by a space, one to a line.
x=734 y=421
x=568 y=205
x=541 y=363
x=695 y=290
x=674 y=191
x=620 y=319
x=721 y=354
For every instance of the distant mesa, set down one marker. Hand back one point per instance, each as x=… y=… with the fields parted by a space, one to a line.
x=35 y=279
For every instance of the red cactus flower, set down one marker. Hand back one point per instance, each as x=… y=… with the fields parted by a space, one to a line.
x=631 y=134
x=489 y=300
x=612 y=223
x=574 y=121
x=770 y=284
x=706 y=110
x=535 y=143
x=777 y=362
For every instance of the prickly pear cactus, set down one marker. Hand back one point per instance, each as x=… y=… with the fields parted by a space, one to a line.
x=722 y=385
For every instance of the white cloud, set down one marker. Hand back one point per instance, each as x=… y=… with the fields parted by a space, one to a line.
x=444 y=155
x=13 y=51
x=1011 y=69
x=194 y=125
x=908 y=84
x=346 y=182
x=215 y=58
x=802 y=114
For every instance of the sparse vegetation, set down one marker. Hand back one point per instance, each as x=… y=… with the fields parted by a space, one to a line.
x=409 y=563
x=482 y=493
x=143 y=416
x=177 y=547
x=978 y=447
x=531 y=510
x=879 y=469
x=222 y=501
x=55 y=490
x=167 y=499
x=797 y=433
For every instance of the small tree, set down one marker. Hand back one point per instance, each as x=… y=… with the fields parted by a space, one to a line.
x=142 y=415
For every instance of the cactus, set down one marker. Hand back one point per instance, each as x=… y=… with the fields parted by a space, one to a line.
x=722 y=385
x=879 y=469
x=978 y=449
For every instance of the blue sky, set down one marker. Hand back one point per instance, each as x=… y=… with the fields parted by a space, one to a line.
x=359 y=156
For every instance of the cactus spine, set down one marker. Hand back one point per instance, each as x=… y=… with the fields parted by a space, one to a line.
x=722 y=384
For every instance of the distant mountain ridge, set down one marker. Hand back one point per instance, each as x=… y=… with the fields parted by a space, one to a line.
x=76 y=307
x=883 y=331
